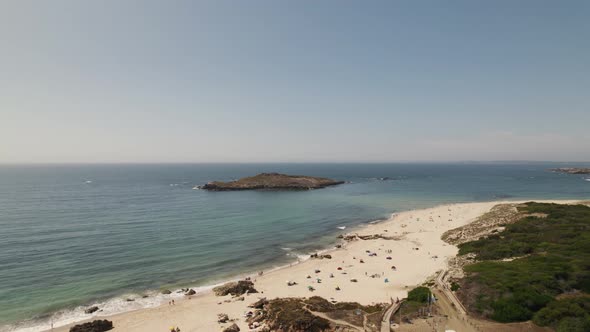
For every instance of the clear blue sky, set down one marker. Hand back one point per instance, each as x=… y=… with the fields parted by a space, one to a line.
x=318 y=81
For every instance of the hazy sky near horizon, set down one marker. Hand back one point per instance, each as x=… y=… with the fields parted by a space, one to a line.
x=294 y=81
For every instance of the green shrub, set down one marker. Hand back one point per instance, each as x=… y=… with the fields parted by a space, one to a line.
x=506 y=311
x=557 y=311
x=571 y=324
x=552 y=257
x=419 y=294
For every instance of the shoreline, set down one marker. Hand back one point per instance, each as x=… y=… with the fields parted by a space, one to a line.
x=76 y=315
x=206 y=301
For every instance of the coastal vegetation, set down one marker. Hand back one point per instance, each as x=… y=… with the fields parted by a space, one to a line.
x=415 y=305
x=524 y=271
x=419 y=294
x=272 y=181
x=566 y=314
x=315 y=314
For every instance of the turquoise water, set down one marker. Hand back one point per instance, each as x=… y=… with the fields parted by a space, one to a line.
x=74 y=235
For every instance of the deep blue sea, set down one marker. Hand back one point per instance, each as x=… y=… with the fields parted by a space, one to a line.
x=74 y=235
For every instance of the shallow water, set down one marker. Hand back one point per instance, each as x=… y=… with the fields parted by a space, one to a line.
x=74 y=235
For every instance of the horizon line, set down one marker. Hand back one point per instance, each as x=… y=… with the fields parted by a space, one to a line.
x=288 y=162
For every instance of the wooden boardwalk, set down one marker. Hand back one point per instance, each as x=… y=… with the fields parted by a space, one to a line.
x=386 y=321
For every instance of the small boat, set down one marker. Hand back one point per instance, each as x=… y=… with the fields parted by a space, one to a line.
x=341 y=227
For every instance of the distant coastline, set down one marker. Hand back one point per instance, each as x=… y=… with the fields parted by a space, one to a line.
x=571 y=170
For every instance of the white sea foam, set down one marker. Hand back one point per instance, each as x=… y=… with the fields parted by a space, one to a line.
x=376 y=221
x=154 y=298
x=106 y=308
x=120 y=304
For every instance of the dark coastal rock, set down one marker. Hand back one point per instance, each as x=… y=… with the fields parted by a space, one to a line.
x=232 y=328
x=166 y=292
x=94 y=326
x=272 y=181
x=129 y=300
x=326 y=256
x=298 y=315
x=259 y=304
x=288 y=314
x=571 y=170
x=235 y=288
x=190 y=292
x=91 y=310
x=222 y=318
x=355 y=237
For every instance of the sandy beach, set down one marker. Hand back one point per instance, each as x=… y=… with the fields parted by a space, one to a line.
x=413 y=243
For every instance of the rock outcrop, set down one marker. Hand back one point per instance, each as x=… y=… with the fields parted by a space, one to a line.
x=259 y=304
x=232 y=328
x=320 y=256
x=272 y=181
x=235 y=288
x=91 y=310
x=222 y=318
x=315 y=314
x=289 y=315
x=354 y=237
x=94 y=326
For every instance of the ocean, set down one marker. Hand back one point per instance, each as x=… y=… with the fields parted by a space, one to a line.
x=77 y=235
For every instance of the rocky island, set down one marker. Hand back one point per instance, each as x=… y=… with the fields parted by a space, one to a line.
x=272 y=181
x=571 y=170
